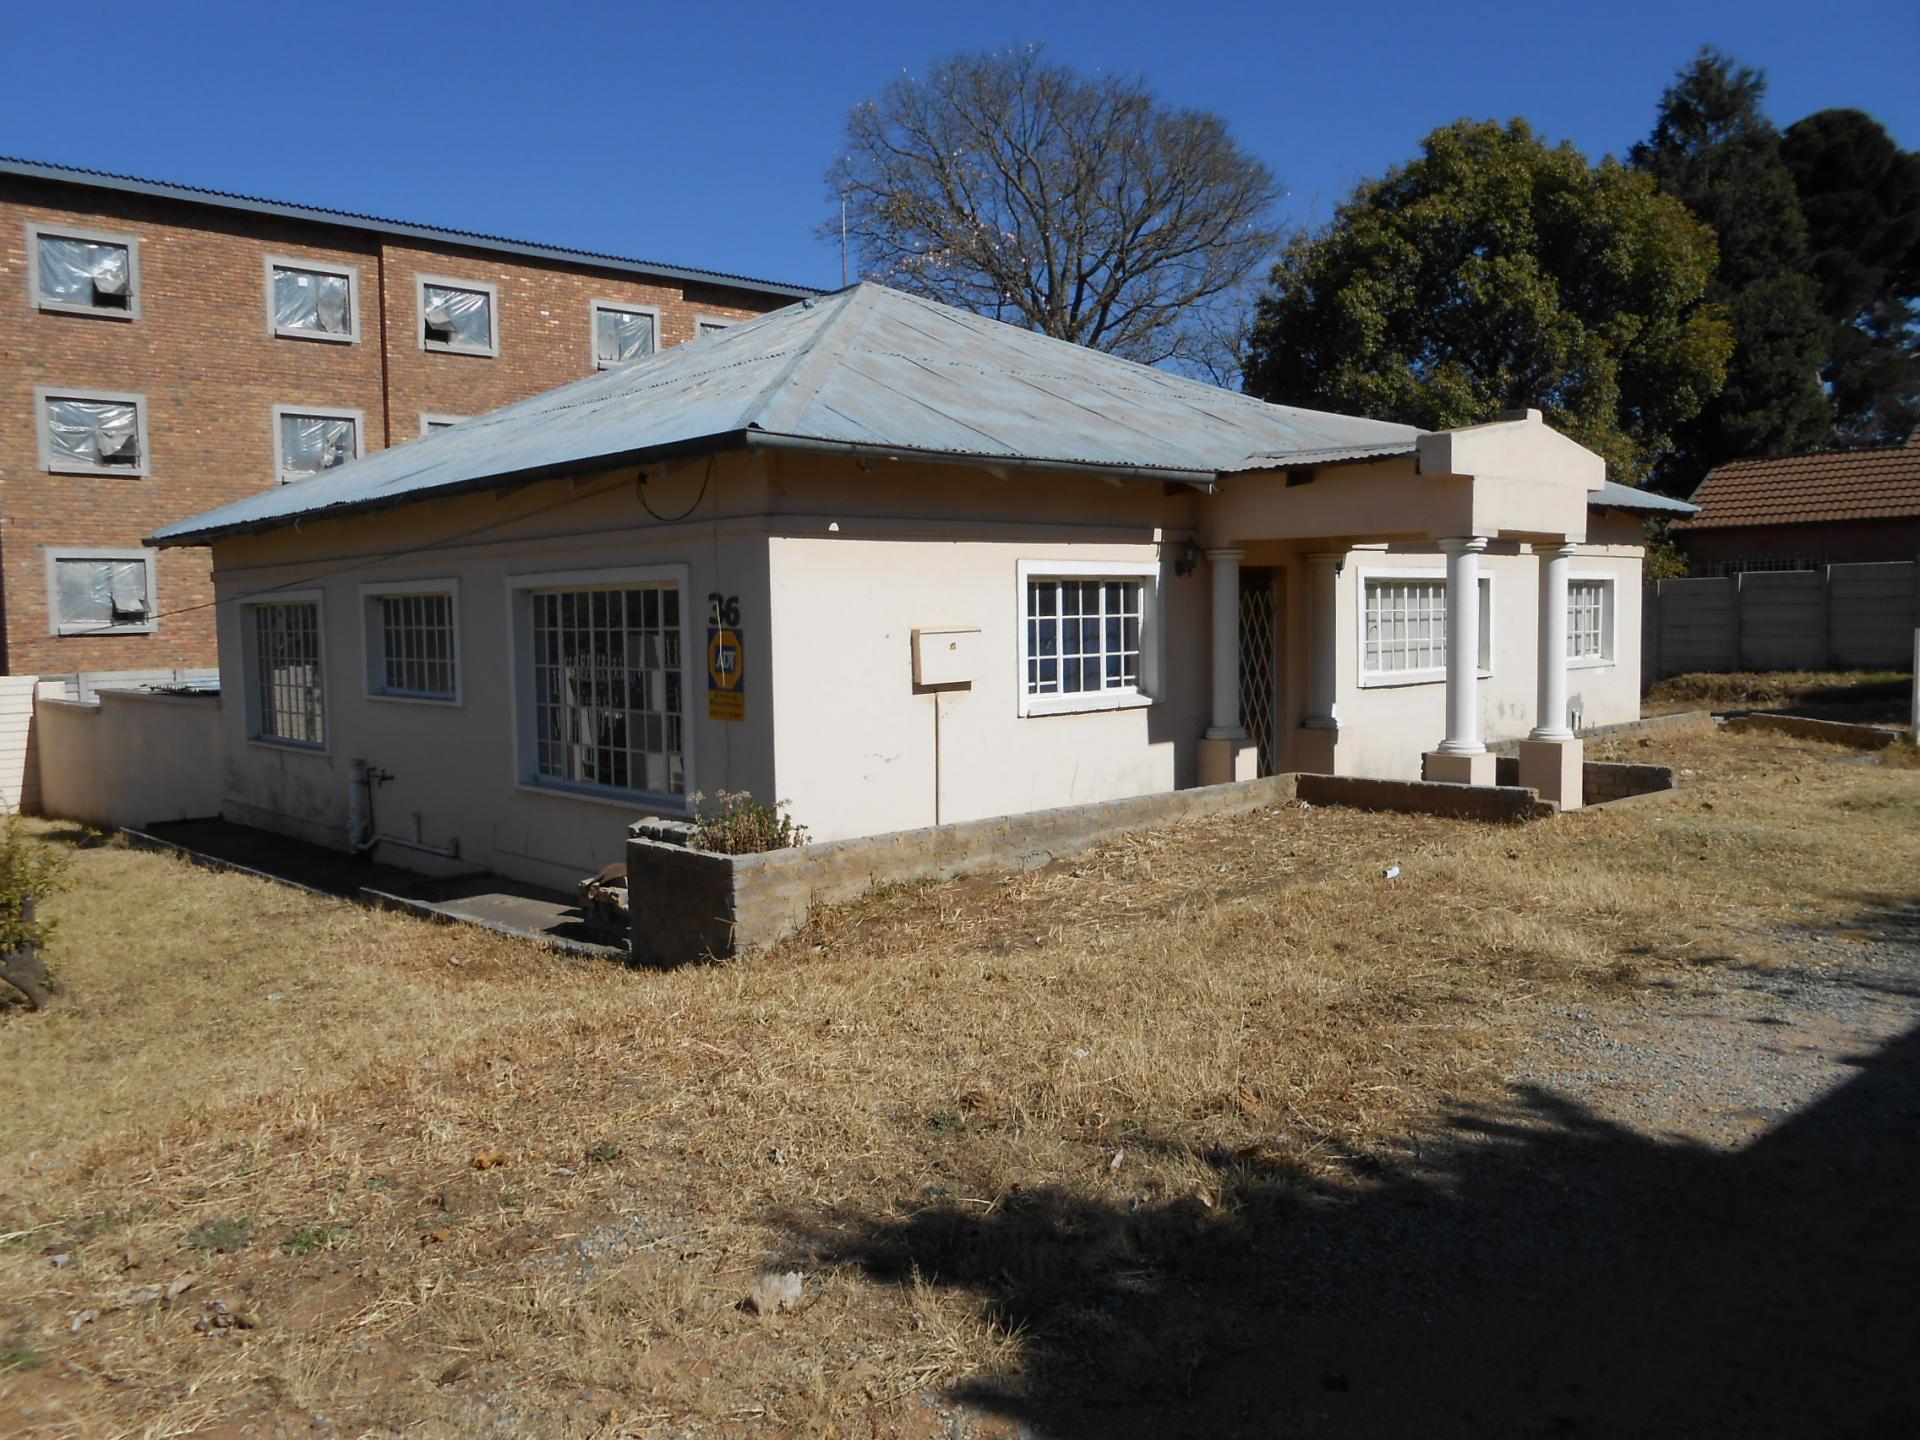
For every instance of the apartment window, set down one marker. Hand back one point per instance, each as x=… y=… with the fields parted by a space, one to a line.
x=608 y=687
x=1590 y=619
x=84 y=272
x=1084 y=638
x=100 y=592
x=431 y=423
x=458 y=316
x=288 y=683
x=706 y=325
x=307 y=300
x=1404 y=628
x=622 y=333
x=92 y=432
x=309 y=441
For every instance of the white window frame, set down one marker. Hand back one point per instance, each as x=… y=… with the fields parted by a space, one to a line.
x=250 y=669
x=526 y=774
x=317 y=412
x=351 y=273
x=37 y=301
x=57 y=626
x=373 y=633
x=1609 y=618
x=427 y=422
x=594 y=307
x=1147 y=690
x=1434 y=674
x=452 y=282
x=716 y=322
x=59 y=465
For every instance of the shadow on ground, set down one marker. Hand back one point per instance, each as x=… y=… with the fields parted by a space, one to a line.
x=1536 y=1272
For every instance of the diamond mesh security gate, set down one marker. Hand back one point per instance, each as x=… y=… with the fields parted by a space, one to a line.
x=1256 y=665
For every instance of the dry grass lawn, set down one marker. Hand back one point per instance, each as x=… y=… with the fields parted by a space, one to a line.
x=1765 y=690
x=301 y=1158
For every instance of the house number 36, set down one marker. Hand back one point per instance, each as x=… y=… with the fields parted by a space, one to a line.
x=725 y=608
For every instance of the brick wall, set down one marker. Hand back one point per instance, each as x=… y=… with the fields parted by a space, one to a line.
x=202 y=353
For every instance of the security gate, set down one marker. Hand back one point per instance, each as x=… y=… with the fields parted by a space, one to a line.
x=1257 y=691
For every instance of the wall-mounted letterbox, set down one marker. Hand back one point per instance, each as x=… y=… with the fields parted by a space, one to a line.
x=948 y=655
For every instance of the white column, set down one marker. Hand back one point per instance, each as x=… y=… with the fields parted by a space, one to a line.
x=1550 y=717
x=1463 y=646
x=1323 y=641
x=1226 y=645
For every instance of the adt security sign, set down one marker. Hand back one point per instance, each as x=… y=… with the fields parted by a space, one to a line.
x=726 y=673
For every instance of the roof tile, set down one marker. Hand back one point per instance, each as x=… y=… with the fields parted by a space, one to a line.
x=1803 y=489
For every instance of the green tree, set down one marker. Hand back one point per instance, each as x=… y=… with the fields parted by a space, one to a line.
x=1493 y=272
x=1860 y=194
x=1714 y=149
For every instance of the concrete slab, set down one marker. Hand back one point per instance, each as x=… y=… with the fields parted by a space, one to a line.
x=509 y=907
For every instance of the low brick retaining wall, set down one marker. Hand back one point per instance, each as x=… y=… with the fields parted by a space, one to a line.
x=688 y=904
x=1834 y=732
x=1601 y=781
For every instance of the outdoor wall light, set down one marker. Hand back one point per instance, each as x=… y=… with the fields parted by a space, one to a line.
x=1188 y=559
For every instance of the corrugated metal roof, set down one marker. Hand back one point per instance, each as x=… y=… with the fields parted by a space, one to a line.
x=194 y=194
x=1612 y=496
x=1878 y=484
x=868 y=369
x=1333 y=455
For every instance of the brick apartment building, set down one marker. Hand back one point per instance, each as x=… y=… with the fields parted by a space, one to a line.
x=165 y=349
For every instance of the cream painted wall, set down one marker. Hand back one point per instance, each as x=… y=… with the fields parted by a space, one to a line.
x=1392 y=725
x=834 y=564
x=456 y=765
x=130 y=758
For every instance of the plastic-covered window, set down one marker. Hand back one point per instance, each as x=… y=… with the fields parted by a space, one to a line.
x=91 y=592
x=460 y=319
x=93 y=274
x=99 y=434
x=316 y=302
x=312 y=443
x=621 y=335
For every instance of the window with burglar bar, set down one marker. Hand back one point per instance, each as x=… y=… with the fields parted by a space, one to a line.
x=312 y=301
x=417 y=646
x=1406 y=627
x=289 y=690
x=1083 y=635
x=1587 y=620
x=608 y=688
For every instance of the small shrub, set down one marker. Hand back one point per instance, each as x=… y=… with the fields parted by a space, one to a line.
x=308 y=1238
x=29 y=871
x=742 y=825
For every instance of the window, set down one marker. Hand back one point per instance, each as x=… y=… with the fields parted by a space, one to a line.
x=307 y=300
x=1404 y=627
x=457 y=316
x=1085 y=637
x=309 y=441
x=1590 y=619
x=413 y=644
x=288 y=685
x=100 y=592
x=431 y=423
x=84 y=272
x=622 y=333
x=607 y=701
x=705 y=325
x=92 y=432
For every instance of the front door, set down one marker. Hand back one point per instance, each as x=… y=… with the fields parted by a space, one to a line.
x=1258 y=673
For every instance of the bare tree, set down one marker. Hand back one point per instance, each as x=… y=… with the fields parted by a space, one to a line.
x=1079 y=207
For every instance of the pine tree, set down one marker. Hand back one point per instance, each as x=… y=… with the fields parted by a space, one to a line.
x=1714 y=149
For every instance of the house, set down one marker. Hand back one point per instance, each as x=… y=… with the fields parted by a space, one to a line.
x=165 y=349
x=899 y=565
x=1802 y=512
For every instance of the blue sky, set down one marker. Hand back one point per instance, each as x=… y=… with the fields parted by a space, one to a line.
x=698 y=134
